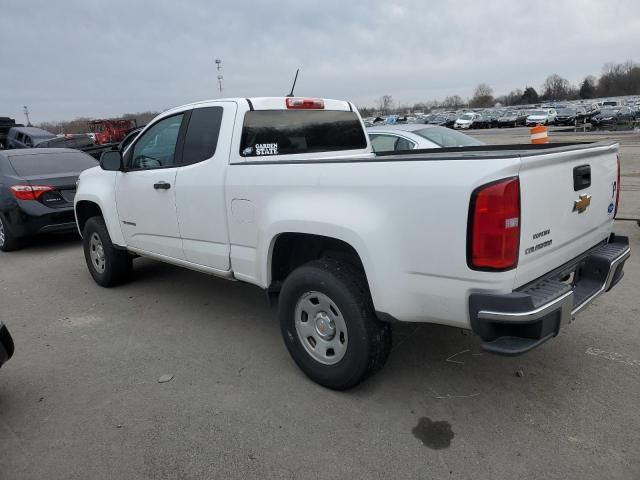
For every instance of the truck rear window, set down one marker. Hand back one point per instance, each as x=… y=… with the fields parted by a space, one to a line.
x=288 y=132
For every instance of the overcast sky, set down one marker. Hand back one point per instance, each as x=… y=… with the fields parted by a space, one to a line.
x=66 y=58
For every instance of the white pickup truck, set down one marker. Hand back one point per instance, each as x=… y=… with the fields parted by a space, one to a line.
x=286 y=194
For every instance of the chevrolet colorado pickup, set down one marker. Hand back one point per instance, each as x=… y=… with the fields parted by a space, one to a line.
x=286 y=193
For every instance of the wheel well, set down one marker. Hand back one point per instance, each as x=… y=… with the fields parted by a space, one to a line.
x=294 y=249
x=84 y=211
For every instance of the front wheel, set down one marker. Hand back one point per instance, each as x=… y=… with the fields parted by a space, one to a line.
x=108 y=265
x=329 y=324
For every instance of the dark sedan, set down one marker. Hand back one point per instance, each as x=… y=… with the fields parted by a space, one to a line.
x=78 y=142
x=512 y=118
x=37 y=187
x=570 y=116
x=486 y=120
x=613 y=116
x=6 y=344
x=444 y=120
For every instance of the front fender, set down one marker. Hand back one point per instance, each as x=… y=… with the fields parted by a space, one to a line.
x=98 y=186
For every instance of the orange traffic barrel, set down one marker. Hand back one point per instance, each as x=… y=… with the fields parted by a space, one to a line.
x=539 y=134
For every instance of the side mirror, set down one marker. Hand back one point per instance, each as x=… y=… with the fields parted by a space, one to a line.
x=111 y=160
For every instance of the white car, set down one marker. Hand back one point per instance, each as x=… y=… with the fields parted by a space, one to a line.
x=465 y=121
x=541 y=117
x=396 y=138
x=287 y=194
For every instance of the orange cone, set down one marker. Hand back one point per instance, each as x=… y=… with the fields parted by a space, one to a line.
x=539 y=134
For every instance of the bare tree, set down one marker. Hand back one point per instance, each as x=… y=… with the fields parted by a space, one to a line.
x=454 y=101
x=483 y=96
x=385 y=104
x=556 y=88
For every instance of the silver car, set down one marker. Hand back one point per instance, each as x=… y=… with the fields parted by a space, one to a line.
x=395 y=138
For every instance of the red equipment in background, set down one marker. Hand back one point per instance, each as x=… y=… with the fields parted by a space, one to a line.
x=111 y=131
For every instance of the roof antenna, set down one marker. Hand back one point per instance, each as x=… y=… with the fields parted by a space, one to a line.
x=294 y=83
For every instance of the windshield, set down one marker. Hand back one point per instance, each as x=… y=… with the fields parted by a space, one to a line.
x=566 y=111
x=538 y=113
x=445 y=137
x=467 y=116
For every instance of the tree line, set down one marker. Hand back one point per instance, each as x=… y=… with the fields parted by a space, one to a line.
x=616 y=80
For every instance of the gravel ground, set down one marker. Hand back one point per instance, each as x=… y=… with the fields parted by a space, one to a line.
x=81 y=397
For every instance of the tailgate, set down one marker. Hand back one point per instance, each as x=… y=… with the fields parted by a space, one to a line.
x=567 y=205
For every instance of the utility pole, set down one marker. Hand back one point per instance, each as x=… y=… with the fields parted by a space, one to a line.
x=220 y=77
x=26 y=114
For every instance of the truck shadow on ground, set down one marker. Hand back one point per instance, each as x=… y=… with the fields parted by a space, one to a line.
x=444 y=363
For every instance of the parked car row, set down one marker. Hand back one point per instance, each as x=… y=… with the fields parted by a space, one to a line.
x=569 y=114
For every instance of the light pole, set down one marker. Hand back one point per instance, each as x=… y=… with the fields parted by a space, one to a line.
x=220 y=77
x=26 y=114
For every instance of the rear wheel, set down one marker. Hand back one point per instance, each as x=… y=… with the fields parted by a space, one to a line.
x=108 y=265
x=7 y=241
x=329 y=324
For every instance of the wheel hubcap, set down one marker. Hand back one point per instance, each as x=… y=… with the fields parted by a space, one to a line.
x=325 y=326
x=96 y=252
x=321 y=328
x=1 y=233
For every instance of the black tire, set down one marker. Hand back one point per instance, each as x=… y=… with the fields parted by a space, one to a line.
x=7 y=241
x=117 y=264
x=369 y=339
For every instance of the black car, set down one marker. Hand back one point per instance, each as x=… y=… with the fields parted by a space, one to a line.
x=79 y=142
x=512 y=118
x=444 y=120
x=486 y=120
x=570 y=116
x=6 y=124
x=613 y=116
x=37 y=187
x=6 y=344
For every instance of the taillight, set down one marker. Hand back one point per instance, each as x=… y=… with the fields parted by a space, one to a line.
x=305 y=103
x=618 y=186
x=493 y=238
x=29 y=192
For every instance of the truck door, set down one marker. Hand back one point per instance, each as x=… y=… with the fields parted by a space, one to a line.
x=145 y=192
x=200 y=185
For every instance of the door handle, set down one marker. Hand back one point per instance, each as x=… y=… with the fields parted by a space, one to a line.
x=162 y=186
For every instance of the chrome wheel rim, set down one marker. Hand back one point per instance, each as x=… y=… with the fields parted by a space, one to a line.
x=1 y=233
x=321 y=328
x=96 y=252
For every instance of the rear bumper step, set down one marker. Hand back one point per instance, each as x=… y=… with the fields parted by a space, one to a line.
x=514 y=323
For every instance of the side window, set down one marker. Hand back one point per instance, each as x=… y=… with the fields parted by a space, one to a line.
x=202 y=135
x=20 y=137
x=156 y=148
x=404 y=144
x=383 y=143
x=27 y=141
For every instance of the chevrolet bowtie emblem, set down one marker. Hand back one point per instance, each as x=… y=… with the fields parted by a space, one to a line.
x=582 y=203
